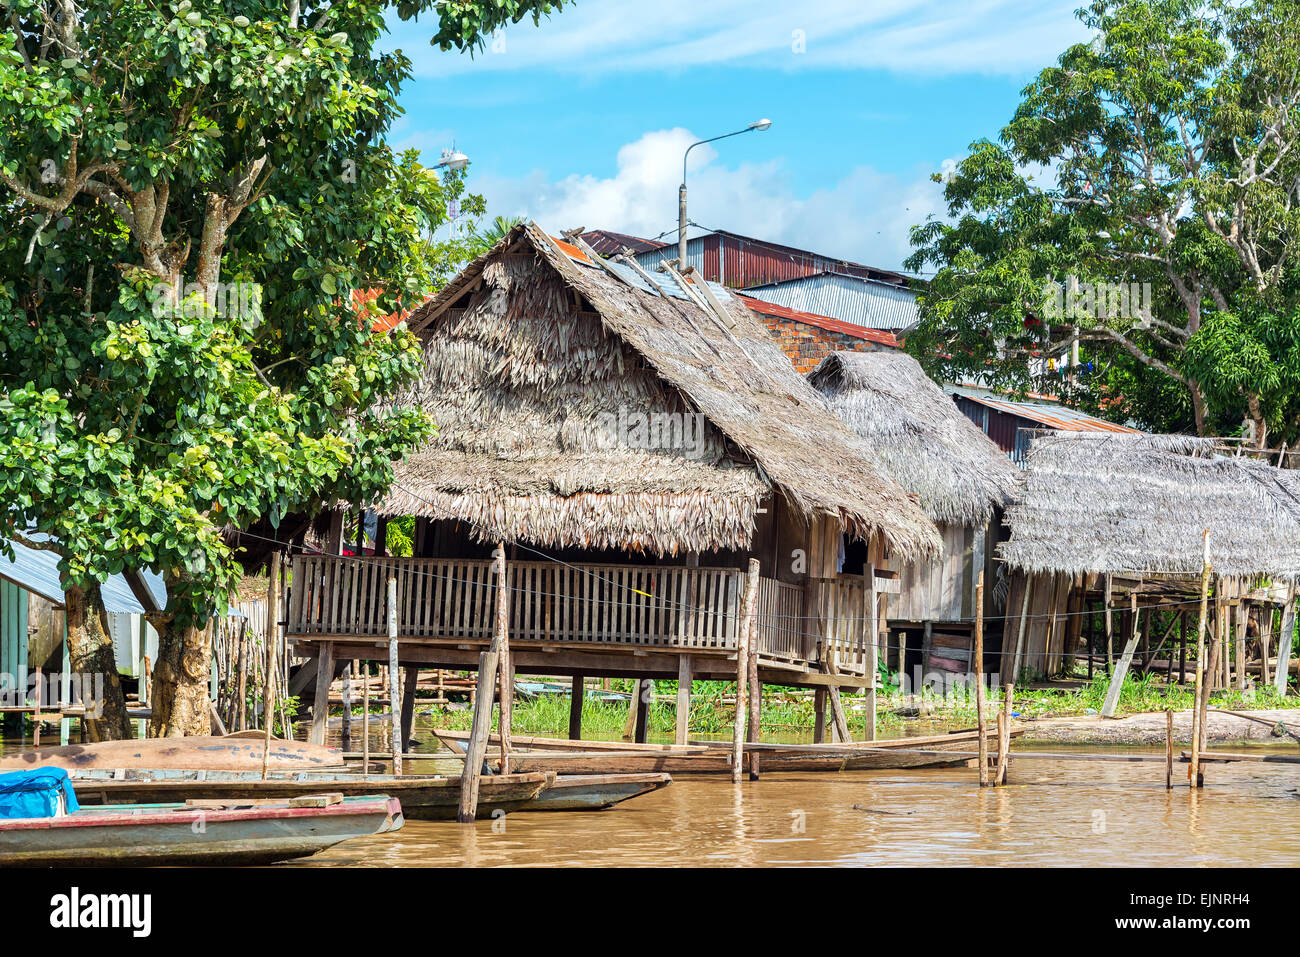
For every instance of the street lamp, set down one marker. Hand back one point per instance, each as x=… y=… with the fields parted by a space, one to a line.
x=759 y=125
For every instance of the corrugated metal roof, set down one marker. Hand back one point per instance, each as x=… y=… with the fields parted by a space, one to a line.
x=663 y=283
x=766 y=308
x=38 y=571
x=1050 y=414
x=876 y=305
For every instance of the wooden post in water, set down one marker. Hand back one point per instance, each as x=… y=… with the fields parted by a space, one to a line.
x=506 y=679
x=1169 y=748
x=576 y=695
x=347 y=707
x=1194 y=768
x=394 y=678
x=1004 y=734
x=272 y=630
x=747 y=609
x=365 y=719
x=755 y=701
x=685 y=678
x=320 y=708
x=479 y=730
x=819 y=715
x=979 y=681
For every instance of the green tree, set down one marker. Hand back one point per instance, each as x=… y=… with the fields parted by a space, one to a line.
x=194 y=191
x=1164 y=153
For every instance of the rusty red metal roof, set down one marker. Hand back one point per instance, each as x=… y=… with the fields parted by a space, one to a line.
x=878 y=336
x=1048 y=414
x=361 y=299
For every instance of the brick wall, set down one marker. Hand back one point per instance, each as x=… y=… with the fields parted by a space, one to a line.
x=807 y=345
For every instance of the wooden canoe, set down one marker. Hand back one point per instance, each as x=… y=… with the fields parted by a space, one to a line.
x=593 y=792
x=424 y=797
x=234 y=753
x=595 y=757
x=171 y=834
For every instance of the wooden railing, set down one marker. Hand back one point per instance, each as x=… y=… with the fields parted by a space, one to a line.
x=846 y=621
x=782 y=630
x=643 y=606
x=455 y=599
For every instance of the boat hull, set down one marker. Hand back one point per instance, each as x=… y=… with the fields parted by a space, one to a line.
x=595 y=792
x=231 y=753
x=165 y=835
x=423 y=797
x=567 y=757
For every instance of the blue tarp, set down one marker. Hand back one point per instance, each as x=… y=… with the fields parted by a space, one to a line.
x=35 y=793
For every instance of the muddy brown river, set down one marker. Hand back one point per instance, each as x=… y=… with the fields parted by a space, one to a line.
x=1051 y=813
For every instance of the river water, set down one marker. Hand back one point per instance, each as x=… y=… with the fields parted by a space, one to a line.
x=1051 y=813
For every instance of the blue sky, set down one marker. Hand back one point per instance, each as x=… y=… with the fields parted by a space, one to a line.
x=583 y=120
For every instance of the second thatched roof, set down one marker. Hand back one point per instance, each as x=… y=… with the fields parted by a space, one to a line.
x=918 y=437
x=1138 y=504
x=532 y=346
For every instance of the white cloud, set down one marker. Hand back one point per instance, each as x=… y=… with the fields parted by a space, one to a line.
x=926 y=36
x=864 y=217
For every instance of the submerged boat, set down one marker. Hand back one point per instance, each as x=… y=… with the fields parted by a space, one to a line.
x=42 y=825
x=424 y=797
x=236 y=752
x=714 y=757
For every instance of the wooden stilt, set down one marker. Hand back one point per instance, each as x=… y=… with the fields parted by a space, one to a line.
x=1126 y=659
x=1110 y=625
x=978 y=667
x=507 y=677
x=755 y=706
x=394 y=679
x=645 y=688
x=819 y=716
x=410 y=680
x=747 y=612
x=875 y=620
x=480 y=728
x=1239 y=645
x=1194 y=768
x=840 y=721
x=347 y=707
x=685 y=678
x=1019 y=659
x=576 y=693
x=1284 y=641
x=320 y=708
x=365 y=718
x=1004 y=734
x=1169 y=749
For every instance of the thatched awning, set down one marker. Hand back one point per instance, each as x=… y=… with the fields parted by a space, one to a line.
x=531 y=347
x=917 y=435
x=1137 y=504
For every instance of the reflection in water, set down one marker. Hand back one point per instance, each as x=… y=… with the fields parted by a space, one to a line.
x=1052 y=813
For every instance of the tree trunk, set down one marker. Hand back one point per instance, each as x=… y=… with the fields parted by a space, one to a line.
x=90 y=656
x=180 y=683
x=1199 y=408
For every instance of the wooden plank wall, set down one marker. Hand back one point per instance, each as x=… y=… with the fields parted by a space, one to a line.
x=1045 y=640
x=944 y=590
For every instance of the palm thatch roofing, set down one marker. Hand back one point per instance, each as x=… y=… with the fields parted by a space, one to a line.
x=1137 y=504
x=917 y=435
x=533 y=352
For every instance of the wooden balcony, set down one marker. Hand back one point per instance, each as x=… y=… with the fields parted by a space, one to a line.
x=611 y=608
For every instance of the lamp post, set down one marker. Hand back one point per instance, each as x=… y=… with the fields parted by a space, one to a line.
x=759 y=125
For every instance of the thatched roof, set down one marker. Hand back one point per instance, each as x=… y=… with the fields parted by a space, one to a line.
x=917 y=435
x=1139 y=503
x=533 y=349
